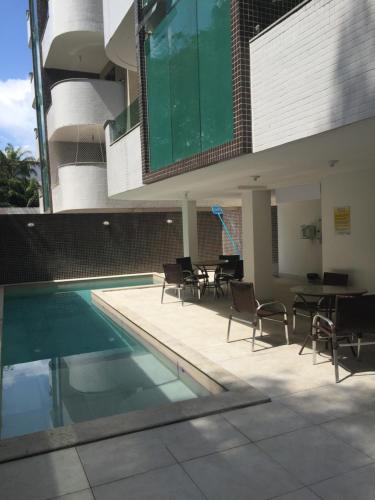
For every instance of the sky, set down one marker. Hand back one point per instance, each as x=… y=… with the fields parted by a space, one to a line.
x=17 y=118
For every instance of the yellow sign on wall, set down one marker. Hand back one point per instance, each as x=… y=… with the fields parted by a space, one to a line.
x=342 y=220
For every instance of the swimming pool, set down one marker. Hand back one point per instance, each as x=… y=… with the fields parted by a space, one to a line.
x=63 y=361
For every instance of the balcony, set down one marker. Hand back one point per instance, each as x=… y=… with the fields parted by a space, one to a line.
x=119 y=32
x=82 y=187
x=74 y=39
x=123 y=150
x=84 y=104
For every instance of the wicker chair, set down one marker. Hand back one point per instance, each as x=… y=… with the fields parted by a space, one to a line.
x=354 y=320
x=244 y=302
x=174 y=276
x=189 y=273
x=308 y=309
x=231 y=270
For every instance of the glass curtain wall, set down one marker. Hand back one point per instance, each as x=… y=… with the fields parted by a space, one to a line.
x=189 y=81
x=39 y=101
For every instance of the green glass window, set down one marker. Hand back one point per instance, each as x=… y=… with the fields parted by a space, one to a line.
x=189 y=81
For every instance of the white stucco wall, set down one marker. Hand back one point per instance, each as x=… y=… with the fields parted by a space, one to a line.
x=352 y=253
x=82 y=187
x=119 y=32
x=313 y=72
x=114 y=12
x=84 y=102
x=124 y=162
x=296 y=255
x=71 y=16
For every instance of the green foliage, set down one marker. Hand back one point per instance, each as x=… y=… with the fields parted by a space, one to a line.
x=18 y=185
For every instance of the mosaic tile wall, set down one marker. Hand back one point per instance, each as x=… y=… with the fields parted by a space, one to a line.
x=63 y=246
x=249 y=18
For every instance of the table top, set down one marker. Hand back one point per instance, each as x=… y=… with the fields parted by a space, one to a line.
x=209 y=262
x=326 y=290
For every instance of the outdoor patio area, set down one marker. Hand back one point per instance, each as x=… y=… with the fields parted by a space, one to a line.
x=314 y=440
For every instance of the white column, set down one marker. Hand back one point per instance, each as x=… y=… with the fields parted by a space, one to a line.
x=190 y=228
x=257 y=241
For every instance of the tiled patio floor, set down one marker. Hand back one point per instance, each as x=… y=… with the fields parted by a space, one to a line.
x=314 y=440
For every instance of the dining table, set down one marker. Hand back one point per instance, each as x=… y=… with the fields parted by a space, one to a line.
x=327 y=291
x=204 y=265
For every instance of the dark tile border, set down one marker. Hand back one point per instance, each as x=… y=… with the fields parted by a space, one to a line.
x=249 y=17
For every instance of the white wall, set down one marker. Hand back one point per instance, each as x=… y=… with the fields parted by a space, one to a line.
x=114 y=12
x=82 y=187
x=124 y=162
x=354 y=253
x=119 y=32
x=296 y=255
x=83 y=102
x=71 y=25
x=313 y=72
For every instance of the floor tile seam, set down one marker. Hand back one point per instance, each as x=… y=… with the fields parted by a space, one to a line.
x=215 y=452
x=372 y=458
x=276 y=497
x=83 y=467
x=135 y=474
x=308 y=424
x=71 y=493
x=276 y=462
x=292 y=394
x=331 y=434
x=192 y=480
x=356 y=469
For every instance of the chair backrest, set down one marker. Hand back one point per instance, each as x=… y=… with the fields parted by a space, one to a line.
x=230 y=266
x=173 y=274
x=185 y=263
x=335 y=279
x=230 y=258
x=243 y=297
x=239 y=273
x=355 y=314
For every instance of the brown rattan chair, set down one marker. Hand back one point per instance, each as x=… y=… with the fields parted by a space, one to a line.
x=174 y=276
x=244 y=302
x=354 y=321
x=308 y=308
x=190 y=273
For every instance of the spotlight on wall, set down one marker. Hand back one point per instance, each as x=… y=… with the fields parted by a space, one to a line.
x=333 y=163
x=169 y=221
x=106 y=223
x=30 y=224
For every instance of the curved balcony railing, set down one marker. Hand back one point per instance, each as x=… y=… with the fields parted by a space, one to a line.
x=125 y=121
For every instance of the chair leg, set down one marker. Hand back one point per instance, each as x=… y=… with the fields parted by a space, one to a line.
x=182 y=296
x=286 y=328
x=294 y=320
x=253 y=341
x=336 y=364
x=162 y=292
x=314 y=341
x=304 y=343
x=229 y=325
x=351 y=347
x=261 y=327
x=359 y=347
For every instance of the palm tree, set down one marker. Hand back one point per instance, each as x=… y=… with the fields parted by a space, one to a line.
x=18 y=185
x=16 y=162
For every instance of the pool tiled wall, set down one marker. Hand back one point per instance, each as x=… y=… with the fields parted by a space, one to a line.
x=66 y=246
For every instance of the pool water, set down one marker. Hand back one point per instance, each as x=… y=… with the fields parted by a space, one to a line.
x=63 y=361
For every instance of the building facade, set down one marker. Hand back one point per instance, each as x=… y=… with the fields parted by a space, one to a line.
x=246 y=104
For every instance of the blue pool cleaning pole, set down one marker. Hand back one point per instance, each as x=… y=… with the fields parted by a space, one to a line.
x=217 y=210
